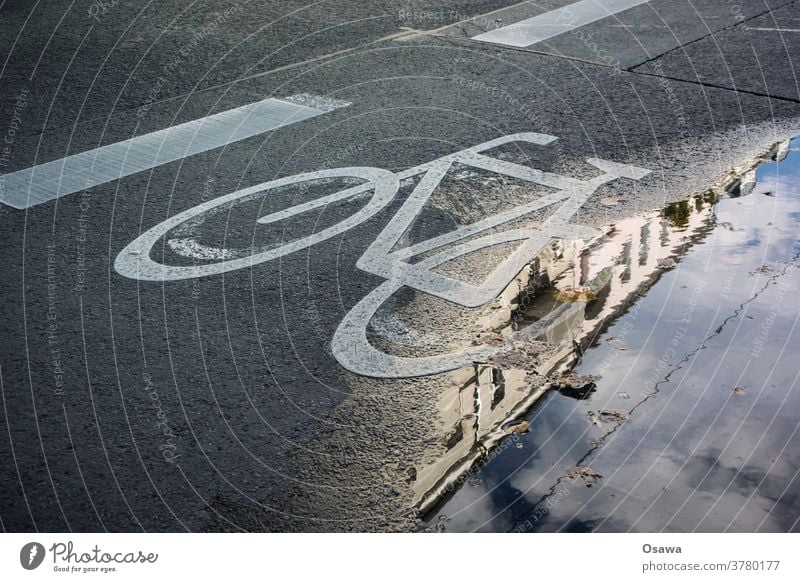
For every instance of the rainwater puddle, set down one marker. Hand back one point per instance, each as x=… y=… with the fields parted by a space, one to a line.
x=683 y=410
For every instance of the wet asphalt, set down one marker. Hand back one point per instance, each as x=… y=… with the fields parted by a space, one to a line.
x=142 y=406
x=700 y=372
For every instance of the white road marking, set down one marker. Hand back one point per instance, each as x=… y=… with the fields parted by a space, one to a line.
x=350 y=345
x=190 y=248
x=545 y=26
x=134 y=260
x=51 y=180
x=776 y=29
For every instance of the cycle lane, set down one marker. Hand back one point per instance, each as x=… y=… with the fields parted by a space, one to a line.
x=252 y=398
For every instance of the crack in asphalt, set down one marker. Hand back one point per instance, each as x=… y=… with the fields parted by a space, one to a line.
x=710 y=34
x=452 y=40
x=717 y=86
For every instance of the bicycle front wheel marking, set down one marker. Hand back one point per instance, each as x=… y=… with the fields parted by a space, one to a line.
x=134 y=260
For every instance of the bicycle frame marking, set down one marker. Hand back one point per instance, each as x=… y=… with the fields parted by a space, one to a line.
x=350 y=345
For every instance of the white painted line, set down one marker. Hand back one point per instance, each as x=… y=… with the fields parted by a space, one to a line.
x=545 y=26
x=776 y=29
x=58 y=178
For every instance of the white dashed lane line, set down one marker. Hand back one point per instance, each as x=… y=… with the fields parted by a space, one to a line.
x=545 y=26
x=51 y=180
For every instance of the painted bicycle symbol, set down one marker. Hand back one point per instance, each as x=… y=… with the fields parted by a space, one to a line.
x=350 y=345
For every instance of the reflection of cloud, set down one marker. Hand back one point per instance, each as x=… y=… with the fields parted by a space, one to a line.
x=780 y=185
x=765 y=226
x=788 y=170
x=694 y=457
x=735 y=488
x=484 y=507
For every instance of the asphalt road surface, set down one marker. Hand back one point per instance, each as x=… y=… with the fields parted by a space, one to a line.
x=216 y=402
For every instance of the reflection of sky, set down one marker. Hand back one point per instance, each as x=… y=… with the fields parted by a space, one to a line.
x=694 y=456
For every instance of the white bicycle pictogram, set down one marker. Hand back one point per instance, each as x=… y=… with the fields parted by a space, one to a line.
x=350 y=345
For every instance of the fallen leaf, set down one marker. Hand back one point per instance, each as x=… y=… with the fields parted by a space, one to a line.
x=574 y=386
x=520 y=428
x=579 y=294
x=617 y=415
x=762 y=270
x=588 y=475
x=667 y=263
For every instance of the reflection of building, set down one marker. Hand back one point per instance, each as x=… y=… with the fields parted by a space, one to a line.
x=603 y=277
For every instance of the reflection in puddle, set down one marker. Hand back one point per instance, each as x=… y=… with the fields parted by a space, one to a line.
x=680 y=413
x=572 y=289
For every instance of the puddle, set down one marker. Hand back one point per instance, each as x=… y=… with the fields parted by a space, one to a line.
x=545 y=319
x=680 y=414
